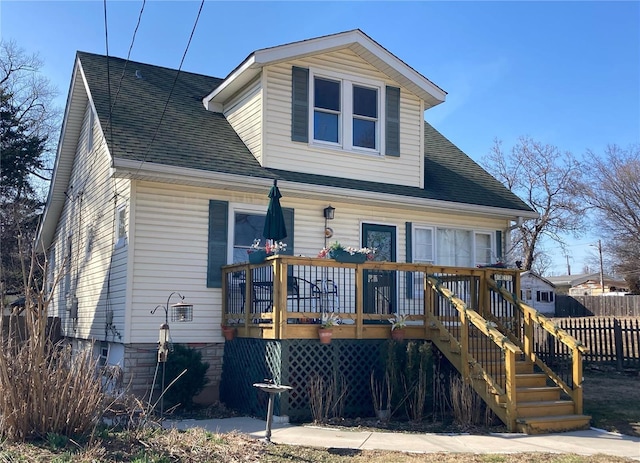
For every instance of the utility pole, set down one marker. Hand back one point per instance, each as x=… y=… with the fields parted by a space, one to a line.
x=568 y=266
x=601 y=266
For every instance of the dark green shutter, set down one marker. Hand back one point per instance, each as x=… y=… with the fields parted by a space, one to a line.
x=408 y=228
x=392 y=127
x=217 y=246
x=300 y=104
x=499 y=244
x=287 y=212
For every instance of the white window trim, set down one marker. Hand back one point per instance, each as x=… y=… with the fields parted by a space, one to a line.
x=414 y=257
x=90 y=129
x=434 y=239
x=120 y=240
x=345 y=118
x=242 y=208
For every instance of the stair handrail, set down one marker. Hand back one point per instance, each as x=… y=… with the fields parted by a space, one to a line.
x=576 y=346
x=478 y=320
x=511 y=350
x=562 y=335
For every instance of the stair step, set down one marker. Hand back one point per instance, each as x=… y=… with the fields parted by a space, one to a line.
x=522 y=367
x=537 y=394
x=531 y=379
x=547 y=424
x=545 y=408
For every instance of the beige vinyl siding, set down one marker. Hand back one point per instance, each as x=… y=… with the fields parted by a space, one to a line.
x=170 y=248
x=282 y=153
x=244 y=113
x=88 y=218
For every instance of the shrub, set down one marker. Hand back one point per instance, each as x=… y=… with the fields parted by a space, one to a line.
x=190 y=384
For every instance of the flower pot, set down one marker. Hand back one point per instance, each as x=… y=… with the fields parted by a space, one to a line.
x=345 y=257
x=228 y=332
x=397 y=334
x=325 y=335
x=257 y=256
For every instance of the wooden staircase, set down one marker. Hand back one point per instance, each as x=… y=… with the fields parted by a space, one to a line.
x=525 y=394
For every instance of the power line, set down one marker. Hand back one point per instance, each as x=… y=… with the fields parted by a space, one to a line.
x=171 y=91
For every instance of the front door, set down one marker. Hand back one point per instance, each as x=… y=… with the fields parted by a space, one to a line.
x=380 y=285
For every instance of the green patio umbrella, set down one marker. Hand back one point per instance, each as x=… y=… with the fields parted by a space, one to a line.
x=274 y=227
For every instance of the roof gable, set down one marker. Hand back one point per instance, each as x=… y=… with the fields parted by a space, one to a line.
x=355 y=40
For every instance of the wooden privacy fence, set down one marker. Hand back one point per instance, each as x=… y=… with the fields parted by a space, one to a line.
x=610 y=340
x=599 y=306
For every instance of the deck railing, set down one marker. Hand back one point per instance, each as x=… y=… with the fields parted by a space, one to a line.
x=551 y=348
x=285 y=296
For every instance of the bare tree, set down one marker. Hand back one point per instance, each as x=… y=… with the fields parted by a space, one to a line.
x=546 y=180
x=30 y=92
x=28 y=124
x=612 y=188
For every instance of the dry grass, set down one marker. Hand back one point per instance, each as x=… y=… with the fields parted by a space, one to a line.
x=613 y=400
x=199 y=446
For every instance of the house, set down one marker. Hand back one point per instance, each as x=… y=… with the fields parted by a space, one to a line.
x=161 y=179
x=538 y=292
x=589 y=284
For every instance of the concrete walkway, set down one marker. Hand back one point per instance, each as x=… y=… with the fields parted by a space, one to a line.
x=589 y=442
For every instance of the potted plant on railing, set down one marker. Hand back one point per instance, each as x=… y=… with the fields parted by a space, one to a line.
x=329 y=320
x=398 y=326
x=347 y=254
x=257 y=254
x=228 y=332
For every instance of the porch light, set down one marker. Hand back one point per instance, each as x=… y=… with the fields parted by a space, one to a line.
x=328 y=213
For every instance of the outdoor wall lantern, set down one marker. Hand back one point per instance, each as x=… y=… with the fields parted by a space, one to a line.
x=328 y=213
x=180 y=312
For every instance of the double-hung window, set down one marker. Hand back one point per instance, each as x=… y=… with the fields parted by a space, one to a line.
x=346 y=113
x=326 y=111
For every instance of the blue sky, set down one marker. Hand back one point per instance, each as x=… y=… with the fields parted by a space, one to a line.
x=564 y=73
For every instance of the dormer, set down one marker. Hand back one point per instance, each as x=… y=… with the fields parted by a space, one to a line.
x=333 y=105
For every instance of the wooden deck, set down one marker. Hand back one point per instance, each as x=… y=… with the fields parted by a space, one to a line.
x=473 y=315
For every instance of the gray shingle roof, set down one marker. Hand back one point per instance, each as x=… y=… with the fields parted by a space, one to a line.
x=192 y=137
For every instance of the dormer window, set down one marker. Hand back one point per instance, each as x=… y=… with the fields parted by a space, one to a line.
x=326 y=111
x=365 y=117
x=344 y=112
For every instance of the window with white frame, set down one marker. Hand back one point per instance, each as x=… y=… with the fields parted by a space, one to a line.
x=51 y=269
x=346 y=113
x=247 y=227
x=484 y=249
x=121 y=226
x=452 y=246
x=423 y=249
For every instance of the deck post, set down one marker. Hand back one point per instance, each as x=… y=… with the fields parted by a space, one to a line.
x=464 y=346
x=359 y=301
x=279 y=299
x=428 y=303
x=225 y=298
x=576 y=357
x=510 y=389
x=528 y=334
x=248 y=297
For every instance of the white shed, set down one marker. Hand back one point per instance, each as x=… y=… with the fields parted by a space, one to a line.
x=538 y=292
